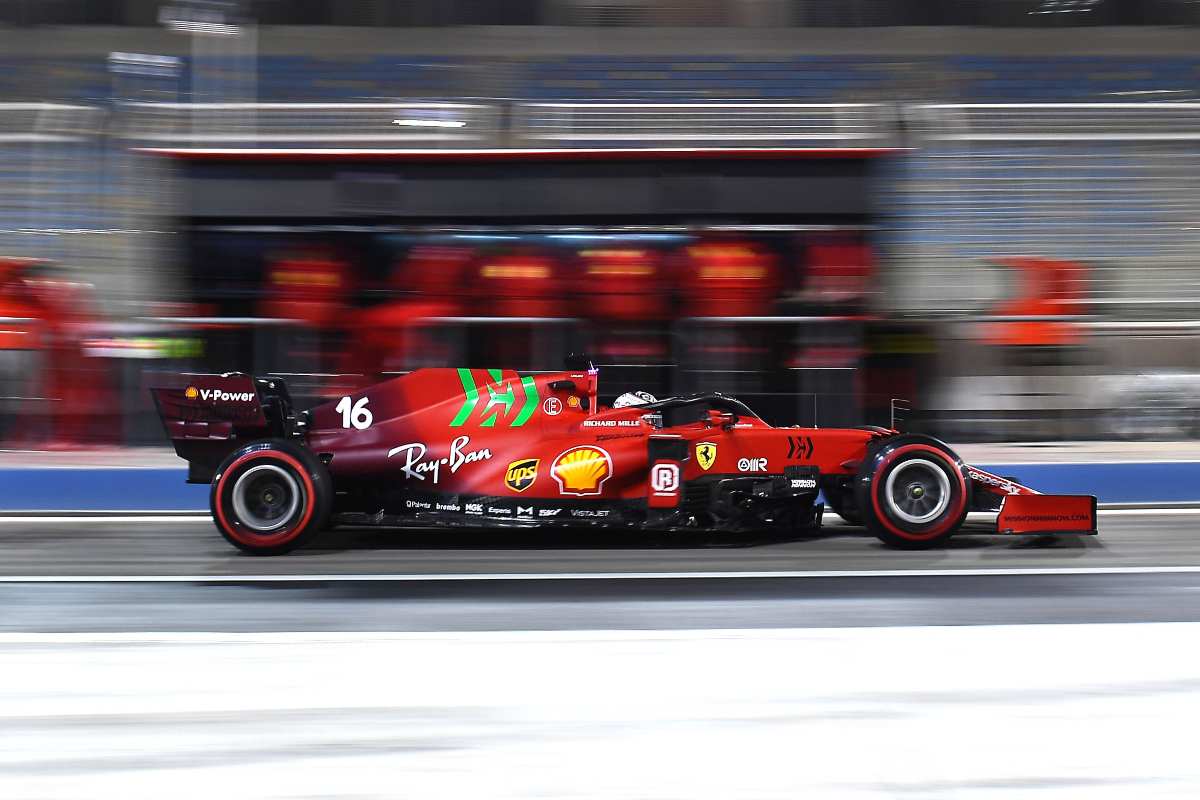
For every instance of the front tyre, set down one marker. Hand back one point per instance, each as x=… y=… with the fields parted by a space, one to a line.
x=912 y=493
x=270 y=497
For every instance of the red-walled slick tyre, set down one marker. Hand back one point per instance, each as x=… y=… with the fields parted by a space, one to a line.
x=911 y=492
x=270 y=497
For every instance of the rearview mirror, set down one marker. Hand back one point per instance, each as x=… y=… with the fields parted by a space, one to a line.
x=722 y=419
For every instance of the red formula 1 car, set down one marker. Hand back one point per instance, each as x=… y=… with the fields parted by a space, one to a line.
x=475 y=447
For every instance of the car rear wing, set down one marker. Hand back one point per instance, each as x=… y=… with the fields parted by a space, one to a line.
x=206 y=417
x=1023 y=510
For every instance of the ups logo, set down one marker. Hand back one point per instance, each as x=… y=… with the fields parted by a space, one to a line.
x=521 y=474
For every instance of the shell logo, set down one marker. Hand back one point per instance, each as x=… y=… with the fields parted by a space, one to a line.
x=582 y=470
x=191 y=393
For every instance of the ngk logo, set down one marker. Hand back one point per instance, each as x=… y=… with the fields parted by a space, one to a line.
x=664 y=478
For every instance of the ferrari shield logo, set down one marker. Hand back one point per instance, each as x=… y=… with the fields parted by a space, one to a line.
x=706 y=454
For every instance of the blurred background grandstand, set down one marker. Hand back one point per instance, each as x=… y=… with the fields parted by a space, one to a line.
x=1025 y=267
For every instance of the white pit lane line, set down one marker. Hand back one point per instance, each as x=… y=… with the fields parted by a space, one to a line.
x=60 y=517
x=435 y=577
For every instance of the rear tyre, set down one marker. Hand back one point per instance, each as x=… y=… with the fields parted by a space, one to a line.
x=912 y=492
x=270 y=497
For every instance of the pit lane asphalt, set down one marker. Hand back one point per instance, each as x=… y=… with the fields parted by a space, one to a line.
x=191 y=546
x=216 y=589
x=597 y=604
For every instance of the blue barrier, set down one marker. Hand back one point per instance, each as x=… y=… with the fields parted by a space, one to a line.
x=99 y=489
x=1112 y=482
x=112 y=489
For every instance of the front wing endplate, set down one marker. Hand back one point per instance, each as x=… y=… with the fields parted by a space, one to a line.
x=1047 y=513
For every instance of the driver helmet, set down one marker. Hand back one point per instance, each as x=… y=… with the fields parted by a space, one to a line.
x=634 y=399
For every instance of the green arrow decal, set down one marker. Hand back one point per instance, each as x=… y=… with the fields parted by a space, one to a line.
x=531 y=401
x=504 y=398
x=472 y=398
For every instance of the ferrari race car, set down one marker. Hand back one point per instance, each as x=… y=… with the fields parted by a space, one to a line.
x=475 y=447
